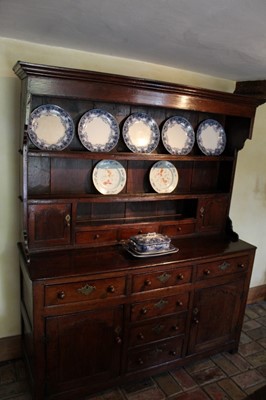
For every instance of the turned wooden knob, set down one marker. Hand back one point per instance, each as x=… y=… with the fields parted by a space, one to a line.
x=111 y=289
x=207 y=272
x=179 y=303
x=140 y=336
x=147 y=282
x=180 y=276
x=118 y=340
x=144 y=311
x=61 y=295
x=175 y=327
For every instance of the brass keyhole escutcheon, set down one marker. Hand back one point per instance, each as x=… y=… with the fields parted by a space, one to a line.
x=67 y=219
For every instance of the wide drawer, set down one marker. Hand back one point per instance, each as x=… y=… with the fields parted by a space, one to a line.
x=222 y=267
x=161 y=279
x=159 y=329
x=159 y=353
x=84 y=291
x=158 y=307
x=127 y=232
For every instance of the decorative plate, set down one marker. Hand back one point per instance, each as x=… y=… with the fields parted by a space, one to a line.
x=178 y=136
x=211 y=137
x=109 y=177
x=141 y=133
x=172 y=249
x=98 y=131
x=50 y=127
x=163 y=177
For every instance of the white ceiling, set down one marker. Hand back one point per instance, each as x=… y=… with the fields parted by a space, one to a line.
x=223 y=38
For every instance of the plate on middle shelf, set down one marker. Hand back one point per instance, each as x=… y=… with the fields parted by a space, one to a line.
x=178 y=135
x=109 y=177
x=211 y=137
x=50 y=127
x=98 y=130
x=141 y=133
x=163 y=177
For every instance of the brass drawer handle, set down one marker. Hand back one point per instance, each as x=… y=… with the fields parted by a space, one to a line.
x=164 y=277
x=87 y=289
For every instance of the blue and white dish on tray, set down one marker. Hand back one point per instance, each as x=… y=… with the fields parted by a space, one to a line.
x=149 y=242
x=211 y=137
x=178 y=135
x=130 y=250
x=50 y=127
x=109 y=177
x=163 y=177
x=98 y=131
x=141 y=133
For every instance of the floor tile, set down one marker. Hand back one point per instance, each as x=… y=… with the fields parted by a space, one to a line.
x=208 y=375
x=184 y=379
x=226 y=365
x=196 y=394
x=244 y=338
x=167 y=384
x=251 y=324
x=138 y=385
x=257 y=359
x=238 y=361
x=199 y=365
x=250 y=313
x=148 y=394
x=249 y=348
x=257 y=333
x=232 y=389
x=248 y=379
x=215 y=392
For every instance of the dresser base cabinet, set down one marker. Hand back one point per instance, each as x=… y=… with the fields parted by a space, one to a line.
x=91 y=323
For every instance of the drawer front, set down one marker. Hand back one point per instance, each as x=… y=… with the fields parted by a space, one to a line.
x=222 y=267
x=93 y=237
x=157 y=330
x=166 y=351
x=161 y=279
x=126 y=233
x=160 y=306
x=84 y=291
x=178 y=229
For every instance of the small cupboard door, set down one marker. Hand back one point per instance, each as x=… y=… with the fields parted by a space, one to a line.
x=49 y=225
x=216 y=315
x=212 y=213
x=83 y=349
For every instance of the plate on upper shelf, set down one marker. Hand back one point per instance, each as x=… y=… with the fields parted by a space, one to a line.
x=141 y=133
x=178 y=135
x=109 y=177
x=50 y=127
x=163 y=177
x=211 y=137
x=98 y=130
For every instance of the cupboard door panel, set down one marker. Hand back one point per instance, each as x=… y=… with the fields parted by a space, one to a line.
x=212 y=213
x=215 y=318
x=49 y=225
x=83 y=348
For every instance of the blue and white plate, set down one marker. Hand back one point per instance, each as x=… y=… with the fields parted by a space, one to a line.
x=141 y=133
x=178 y=136
x=50 y=127
x=98 y=130
x=109 y=177
x=211 y=137
x=163 y=177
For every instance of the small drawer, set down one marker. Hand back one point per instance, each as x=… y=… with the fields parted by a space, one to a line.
x=158 y=307
x=126 y=233
x=156 y=354
x=90 y=237
x=178 y=229
x=222 y=267
x=84 y=291
x=161 y=279
x=157 y=330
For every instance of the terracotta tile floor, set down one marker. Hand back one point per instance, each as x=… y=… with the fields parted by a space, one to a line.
x=220 y=377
